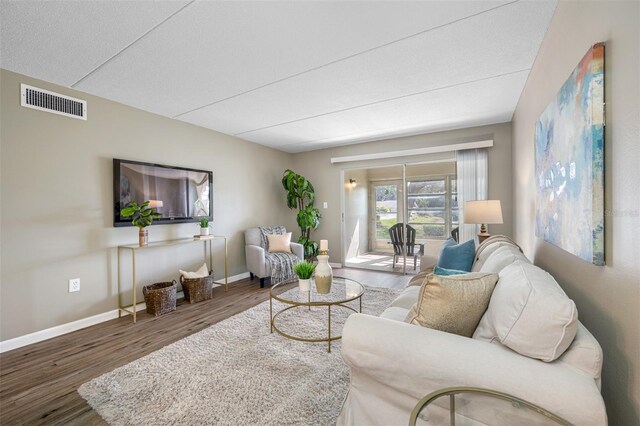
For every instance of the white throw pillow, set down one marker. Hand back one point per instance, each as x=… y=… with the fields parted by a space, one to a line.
x=200 y=273
x=501 y=258
x=529 y=313
x=279 y=243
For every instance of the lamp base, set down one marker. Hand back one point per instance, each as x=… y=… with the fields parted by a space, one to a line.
x=483 y=236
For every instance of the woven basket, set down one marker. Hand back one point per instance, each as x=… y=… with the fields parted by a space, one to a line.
x=197 y=289
x=160 y=298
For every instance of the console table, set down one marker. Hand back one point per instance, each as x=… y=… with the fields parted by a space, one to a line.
x=134 y=248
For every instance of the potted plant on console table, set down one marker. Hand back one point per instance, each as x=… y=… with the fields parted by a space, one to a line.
x=143 y=216
x=204 y=226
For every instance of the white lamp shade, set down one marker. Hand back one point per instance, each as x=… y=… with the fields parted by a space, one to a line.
x=483 y=212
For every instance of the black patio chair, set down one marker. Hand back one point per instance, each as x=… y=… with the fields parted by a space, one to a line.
x=455 y=233
x=396 y=233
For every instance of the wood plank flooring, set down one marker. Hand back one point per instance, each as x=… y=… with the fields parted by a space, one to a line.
x=39 y=382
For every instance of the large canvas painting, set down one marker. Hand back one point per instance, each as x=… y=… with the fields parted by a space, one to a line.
x=570 y=163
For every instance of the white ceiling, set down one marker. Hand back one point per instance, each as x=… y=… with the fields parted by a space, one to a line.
x=295 y=76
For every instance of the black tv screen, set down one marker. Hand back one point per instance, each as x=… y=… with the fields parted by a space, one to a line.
x=179 y=194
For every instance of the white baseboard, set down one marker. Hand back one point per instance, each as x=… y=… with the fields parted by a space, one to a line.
x=69 y=327
x=59 y=330
x=335 y=265
x=233 y=278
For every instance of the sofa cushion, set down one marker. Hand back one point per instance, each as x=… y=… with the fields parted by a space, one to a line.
x=584 y=353
x=502 y=257
x=394 y=313
x=418 y=278
x=482 y=256
x=279 y=243
x=453 y=304
x=457 y=256
x=407 y=298
x=529 y=313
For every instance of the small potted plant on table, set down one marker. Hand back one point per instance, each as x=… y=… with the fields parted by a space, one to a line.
x=304 y=271
x=204 y=226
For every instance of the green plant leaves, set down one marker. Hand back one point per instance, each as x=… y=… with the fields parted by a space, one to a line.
x=143 y=216
x=301 y=196
x=304 y=270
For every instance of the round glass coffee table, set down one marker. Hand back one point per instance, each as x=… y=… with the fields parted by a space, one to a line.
x=343 y=290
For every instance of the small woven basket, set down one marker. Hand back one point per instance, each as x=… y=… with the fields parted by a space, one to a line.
x=160 y=298
x=197 y=289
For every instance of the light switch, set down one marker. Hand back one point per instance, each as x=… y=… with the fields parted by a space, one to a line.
x=325 y=205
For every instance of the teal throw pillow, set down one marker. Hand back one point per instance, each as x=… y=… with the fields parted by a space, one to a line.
x=447 y=272
x=457 y=256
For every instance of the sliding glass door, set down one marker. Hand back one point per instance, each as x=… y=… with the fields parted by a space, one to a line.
x=420 y=197
x=387 y=211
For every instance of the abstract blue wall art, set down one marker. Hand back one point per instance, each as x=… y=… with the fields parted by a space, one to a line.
x=570 y=163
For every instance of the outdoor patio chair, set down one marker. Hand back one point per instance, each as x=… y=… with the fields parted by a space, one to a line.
x=396 y=233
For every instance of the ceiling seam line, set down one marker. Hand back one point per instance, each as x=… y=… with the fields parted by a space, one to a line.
x=383 y=101
x=344 y=58
x=131 y=44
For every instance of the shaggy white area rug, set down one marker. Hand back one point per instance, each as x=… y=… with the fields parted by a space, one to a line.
x=236 y=373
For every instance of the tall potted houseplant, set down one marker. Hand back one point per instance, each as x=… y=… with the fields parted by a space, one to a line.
x=143 y=216
x=301 y=196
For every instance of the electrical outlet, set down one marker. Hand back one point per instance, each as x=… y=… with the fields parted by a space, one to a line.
x=74 y=285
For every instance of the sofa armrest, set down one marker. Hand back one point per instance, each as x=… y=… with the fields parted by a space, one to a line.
x=412 y=360
x=298 y=250
x=255 y=260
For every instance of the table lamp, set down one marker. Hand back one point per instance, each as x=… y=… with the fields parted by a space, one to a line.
x=484 y=212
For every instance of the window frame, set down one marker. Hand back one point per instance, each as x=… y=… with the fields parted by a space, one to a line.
x=447 y=209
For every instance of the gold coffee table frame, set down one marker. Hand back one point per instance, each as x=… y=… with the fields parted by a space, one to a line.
x=339 y=302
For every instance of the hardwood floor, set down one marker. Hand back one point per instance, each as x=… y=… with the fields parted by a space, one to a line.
x=39 y=382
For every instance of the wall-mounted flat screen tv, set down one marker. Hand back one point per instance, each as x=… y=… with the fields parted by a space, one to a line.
x=179 y=194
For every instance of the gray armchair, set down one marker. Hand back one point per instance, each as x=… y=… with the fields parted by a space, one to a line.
x=256 y=260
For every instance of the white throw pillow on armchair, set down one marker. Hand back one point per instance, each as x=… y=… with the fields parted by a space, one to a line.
x=279 y=243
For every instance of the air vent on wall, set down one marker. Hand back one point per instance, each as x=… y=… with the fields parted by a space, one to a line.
x=44 y=100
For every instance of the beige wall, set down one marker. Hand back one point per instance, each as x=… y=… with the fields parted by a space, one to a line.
x=608 y=298
x=56 y=213
x=326 y=177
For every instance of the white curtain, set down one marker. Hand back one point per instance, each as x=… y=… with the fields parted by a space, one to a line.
x=472 y=185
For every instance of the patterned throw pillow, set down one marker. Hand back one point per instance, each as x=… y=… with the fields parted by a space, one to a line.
x=457 y=256
x=279 y=243
x=453 y=304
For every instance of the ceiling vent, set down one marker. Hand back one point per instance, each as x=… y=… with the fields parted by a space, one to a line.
x=44 y=100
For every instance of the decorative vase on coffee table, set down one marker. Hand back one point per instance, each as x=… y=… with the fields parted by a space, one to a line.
x=323 y=273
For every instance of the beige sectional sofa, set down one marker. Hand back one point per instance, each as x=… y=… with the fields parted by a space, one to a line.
x=529 y=344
